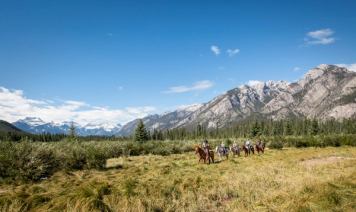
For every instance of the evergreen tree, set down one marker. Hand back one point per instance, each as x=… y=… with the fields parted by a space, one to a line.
x=141 y=134
x=314 y=127
x=288 y=128
x=256 y=130
x=72 y=133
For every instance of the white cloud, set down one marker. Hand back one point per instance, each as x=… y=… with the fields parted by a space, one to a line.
x=296 y=68
x=215 y=49
x=351 y=67
x=232 y=52
x=197 y=86
x=321 y=36
x=14 y=105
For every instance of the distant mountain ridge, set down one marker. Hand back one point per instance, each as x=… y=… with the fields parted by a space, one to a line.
x=37 y=126
x=6 y=127
x=327 y=91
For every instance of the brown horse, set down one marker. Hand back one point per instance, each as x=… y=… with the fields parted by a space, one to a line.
x=248 y=150
x=203 y=156
x=260 y=147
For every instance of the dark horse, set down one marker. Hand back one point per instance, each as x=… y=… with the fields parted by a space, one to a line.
x=235 y=150
x=248 y=150
x=203 y=156
x=260 y=147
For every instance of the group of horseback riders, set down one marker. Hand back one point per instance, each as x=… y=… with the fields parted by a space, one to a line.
x=207 y=154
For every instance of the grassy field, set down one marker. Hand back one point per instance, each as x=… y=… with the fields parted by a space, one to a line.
x=310 y=179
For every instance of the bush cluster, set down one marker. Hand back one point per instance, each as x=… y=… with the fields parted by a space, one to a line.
x=310 y=141
x=26 y=162
x=38 y=160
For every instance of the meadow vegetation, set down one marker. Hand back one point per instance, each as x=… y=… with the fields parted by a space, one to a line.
x=163 y=175
x=291 y=179
x=33 y=161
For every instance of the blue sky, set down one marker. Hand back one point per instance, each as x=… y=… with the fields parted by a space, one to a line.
x=153 y=56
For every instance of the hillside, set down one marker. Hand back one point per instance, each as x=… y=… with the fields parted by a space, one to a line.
x=6 y=127
x=325 y=92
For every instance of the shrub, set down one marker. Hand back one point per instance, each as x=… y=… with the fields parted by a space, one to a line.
x=7 y=153
x=275 y=144
x=42 y=164
x=77 y=159
x=96 y=158
x=301 y=143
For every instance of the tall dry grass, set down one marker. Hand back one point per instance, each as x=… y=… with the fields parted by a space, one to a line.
x=310 y=179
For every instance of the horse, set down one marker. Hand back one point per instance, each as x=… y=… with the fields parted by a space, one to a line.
x=222 y=151
x=235 y=150
x=203 y=156
x=260 y=147
x=252 y=149
x=248 y=150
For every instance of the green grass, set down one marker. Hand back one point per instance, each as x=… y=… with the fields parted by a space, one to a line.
x=308 y=179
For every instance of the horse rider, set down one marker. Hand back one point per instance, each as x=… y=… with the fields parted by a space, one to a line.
x=222 y=145
x=206 y=147
x=259 y=143
x=247 y=144
x=234 y=145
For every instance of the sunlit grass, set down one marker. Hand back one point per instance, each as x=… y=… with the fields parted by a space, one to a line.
x=312 y=179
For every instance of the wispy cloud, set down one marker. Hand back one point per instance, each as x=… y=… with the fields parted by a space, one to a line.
x=321 y=37
x=296 y=69
x=15 y=105
x=197 y=86
x=351 y=67
x=232 y=52
x=215 y=49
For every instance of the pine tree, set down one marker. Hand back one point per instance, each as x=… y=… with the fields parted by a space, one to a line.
x=141 y=134
x=314 y=127
x=72 y=133
x=256 y=130
x=288 y=128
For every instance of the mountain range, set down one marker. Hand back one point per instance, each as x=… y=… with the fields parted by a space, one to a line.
x=324 y=92
x=6 y=127
x=37 y=126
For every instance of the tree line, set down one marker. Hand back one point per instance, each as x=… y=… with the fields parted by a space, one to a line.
x=247 y=128
x=252 y=128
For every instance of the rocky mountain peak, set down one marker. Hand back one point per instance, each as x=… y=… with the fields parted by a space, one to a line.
x=330 y=94
x=34 y=121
